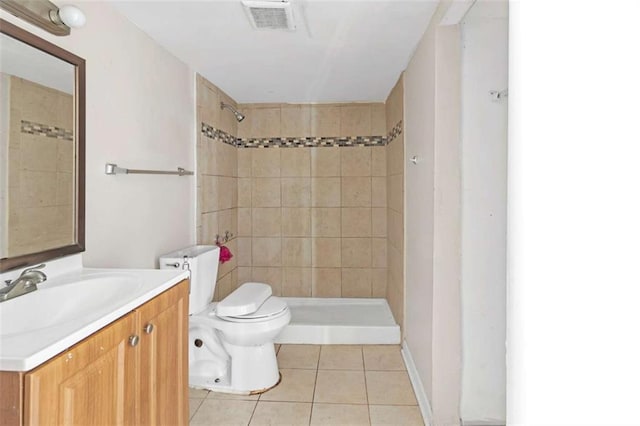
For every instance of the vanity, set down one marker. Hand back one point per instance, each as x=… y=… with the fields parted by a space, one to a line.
x=109 y=346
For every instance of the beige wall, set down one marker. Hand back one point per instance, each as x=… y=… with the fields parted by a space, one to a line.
x=311 y=221
x=316 y=120
x=217 y=187
x=395 y=202
x=40 y=178
x=308 y=221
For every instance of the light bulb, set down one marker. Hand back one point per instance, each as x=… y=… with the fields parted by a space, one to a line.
x=71 y=16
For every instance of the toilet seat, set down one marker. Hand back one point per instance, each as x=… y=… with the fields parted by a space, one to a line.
x=273 y=307
x=249 y=303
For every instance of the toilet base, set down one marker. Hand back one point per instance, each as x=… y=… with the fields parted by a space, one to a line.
x=253 y=369
x=199 y=383
x=258 y=392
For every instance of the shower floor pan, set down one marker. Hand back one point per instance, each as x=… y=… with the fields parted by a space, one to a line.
x=340 y=321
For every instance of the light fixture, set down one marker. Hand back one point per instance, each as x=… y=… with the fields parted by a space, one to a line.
x=68 y=15
x=46 y=15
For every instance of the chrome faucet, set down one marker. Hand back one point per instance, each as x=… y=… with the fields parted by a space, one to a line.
x=26 y=283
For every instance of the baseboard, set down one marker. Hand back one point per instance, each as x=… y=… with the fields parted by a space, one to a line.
x=418 y=387
x=483 y=423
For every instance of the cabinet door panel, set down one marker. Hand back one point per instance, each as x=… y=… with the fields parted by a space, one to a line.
x=164 y=358
x=92 y=383
x=80 y=401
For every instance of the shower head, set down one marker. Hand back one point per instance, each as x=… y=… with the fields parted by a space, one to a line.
x=238 y=115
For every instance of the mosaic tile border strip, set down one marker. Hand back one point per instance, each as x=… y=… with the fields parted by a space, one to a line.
x=395 y=132
x=45 y=130
x=213 y=133
x=312 y=142
x=304 y=142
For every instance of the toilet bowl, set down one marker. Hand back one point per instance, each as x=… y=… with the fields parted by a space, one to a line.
x=248 y=340
x=230 y=342
x=253 y=329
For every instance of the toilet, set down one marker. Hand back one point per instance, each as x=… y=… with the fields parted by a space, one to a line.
x=230 y=342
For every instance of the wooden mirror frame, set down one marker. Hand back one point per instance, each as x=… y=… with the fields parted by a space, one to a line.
x=26 y=37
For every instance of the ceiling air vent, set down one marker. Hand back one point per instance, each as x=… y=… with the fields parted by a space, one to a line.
x=270 y=15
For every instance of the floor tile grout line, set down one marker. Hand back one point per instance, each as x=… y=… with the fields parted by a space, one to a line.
x=308 y=402
x=196 y=410
x=315 y=385
x=394 y=404
x=366 y=391
x=253 y=412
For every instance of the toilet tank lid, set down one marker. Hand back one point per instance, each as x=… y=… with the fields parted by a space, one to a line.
x=190 y=252
x=246 y=299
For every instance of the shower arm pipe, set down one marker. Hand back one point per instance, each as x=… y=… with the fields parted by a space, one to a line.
x=113 y=169
x=239 y=115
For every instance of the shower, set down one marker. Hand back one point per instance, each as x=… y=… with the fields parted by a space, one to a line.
x=238 y=115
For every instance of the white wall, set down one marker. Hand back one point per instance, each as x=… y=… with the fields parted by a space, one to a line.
x=140 y=114
x=484 y=221
x=419 y=110
x=573 y=206
x=433 y=192
x=447 y=315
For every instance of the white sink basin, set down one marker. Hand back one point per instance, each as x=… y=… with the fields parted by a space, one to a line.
x=65 y=309
x=57 y=303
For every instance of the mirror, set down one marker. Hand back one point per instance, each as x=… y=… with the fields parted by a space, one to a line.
x=42 y=104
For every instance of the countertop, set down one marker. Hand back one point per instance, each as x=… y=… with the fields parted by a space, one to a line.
x=24 y=345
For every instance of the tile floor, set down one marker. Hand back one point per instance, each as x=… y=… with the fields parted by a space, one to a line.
x=321 y=385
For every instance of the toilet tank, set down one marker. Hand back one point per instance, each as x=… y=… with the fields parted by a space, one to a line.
x=202 y=262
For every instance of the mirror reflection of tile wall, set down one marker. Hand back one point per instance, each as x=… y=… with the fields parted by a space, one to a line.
x=40 y=172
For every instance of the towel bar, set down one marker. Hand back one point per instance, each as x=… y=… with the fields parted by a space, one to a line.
x=113 y=169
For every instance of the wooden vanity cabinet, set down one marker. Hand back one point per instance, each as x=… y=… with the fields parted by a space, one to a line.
x=164 y=359
x=132 y=372
x=90 y=383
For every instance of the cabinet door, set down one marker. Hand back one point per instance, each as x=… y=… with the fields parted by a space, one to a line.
x=164 y=328
x=92 y=383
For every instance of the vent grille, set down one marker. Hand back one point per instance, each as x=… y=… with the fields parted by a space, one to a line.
x=270 y=15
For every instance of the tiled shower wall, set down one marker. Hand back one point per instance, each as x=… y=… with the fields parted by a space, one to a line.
x=395 y=201
x=217 y=182
x=311 y=218
x=312 y=221
x=40 y=175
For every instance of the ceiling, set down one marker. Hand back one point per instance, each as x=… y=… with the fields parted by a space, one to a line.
x=341 y=50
